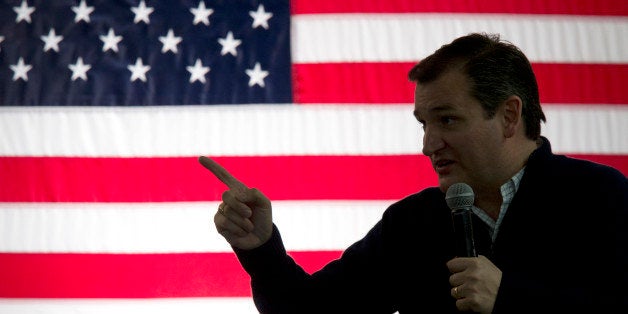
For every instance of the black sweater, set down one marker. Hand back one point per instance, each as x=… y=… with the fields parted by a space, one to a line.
x=562 y=247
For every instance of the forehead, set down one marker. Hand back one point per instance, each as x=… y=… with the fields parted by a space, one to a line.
x=449 y=91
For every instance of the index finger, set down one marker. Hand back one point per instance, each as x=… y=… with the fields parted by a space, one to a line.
x=221 y=173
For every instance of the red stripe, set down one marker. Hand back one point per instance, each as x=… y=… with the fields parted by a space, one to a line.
x=60 y=179
x=388 y=83
x=132 y=275
x=369 y=83
x=582 y=83
x=571 y=7
x=65 y=179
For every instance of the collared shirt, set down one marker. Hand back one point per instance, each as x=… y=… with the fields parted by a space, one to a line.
x=508 y=191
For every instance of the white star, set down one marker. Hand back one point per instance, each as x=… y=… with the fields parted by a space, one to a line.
x=169 y=42
x=79 y=69
x=201 y=14
x=260 y=17
x=138 y=71
x=1 y=40
x=51 y=40
x=82 y=12
x=20 y=69
x=142 y=12
x=256 y=75
x=110 y=41
x=229 y=44
x=23 y=12
x=197 y=71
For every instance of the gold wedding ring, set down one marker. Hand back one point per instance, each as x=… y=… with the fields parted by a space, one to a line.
x=456 y=292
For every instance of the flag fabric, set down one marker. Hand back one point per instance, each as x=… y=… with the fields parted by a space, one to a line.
x=106 y=105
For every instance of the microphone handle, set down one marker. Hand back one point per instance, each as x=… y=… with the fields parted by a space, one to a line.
x=463 y=229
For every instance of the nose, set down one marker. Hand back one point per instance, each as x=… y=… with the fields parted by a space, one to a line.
x=432 y=141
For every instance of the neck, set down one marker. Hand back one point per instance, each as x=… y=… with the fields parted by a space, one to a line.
x=489 y=197
x=490 y=202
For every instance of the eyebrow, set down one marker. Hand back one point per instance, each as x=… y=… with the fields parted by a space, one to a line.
x=437 y=109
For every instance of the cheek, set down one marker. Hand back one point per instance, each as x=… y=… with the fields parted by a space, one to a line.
x=476 y=145
x=487 y=147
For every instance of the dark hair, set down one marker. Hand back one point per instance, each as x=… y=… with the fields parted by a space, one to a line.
x=497 y=70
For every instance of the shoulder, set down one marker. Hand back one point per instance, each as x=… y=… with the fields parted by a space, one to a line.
x=577 y=183
x=427 y=203
x=422 y=217
x=543 y=164
x=430 y=195
x=573 y=170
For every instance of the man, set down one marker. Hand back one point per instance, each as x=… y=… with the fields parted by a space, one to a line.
x=550 y=231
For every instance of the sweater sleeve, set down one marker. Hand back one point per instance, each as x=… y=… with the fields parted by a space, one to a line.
x=353 y=283
x=274 y=275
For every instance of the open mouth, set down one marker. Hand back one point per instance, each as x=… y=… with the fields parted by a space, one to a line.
x=442 y=164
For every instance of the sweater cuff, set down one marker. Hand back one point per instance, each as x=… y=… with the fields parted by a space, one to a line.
x=269 y=255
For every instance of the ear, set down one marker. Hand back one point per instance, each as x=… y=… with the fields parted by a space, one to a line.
x=512 y=115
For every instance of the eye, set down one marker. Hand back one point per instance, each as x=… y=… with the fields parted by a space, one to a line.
x=447 y=120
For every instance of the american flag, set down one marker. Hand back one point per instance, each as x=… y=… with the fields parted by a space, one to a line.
x=106 y=105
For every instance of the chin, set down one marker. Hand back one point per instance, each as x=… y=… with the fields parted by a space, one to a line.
x=444 y=184
x=446 y=181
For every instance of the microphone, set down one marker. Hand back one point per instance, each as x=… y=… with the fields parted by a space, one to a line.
x=459 y=198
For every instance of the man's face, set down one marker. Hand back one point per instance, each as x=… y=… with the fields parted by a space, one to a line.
x=463 y=145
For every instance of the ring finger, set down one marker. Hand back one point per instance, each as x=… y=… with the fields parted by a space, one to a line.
x=221 y=209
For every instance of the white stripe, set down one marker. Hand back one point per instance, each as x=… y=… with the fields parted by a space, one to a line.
x=239 y=305
x=173 y=227
x=411 y=37
x=213 y=130
x=587 y=129
x=268 y=130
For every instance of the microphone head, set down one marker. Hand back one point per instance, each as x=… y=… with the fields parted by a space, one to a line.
x=459 y=195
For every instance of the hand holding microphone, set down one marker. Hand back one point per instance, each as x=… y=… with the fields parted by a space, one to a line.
x=474 y=282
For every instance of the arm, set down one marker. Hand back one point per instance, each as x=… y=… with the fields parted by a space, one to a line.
x=279 y=285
